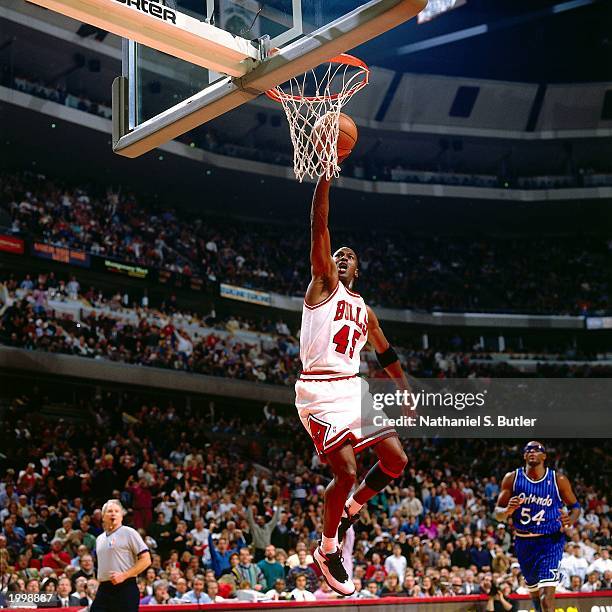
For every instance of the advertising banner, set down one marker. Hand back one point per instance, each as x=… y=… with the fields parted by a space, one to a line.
x=60 y=254
x=10 y=244
x=243 y=294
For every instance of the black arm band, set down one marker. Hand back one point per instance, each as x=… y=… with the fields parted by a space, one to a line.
x=386 y=358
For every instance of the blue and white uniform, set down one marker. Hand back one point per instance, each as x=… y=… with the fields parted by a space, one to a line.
x=539 y=540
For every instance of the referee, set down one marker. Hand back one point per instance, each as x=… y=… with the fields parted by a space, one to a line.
x=122 y=555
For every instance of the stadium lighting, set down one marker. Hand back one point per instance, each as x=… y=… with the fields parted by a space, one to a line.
x=437 y=7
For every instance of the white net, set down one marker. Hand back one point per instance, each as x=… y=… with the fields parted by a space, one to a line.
x=312 y=103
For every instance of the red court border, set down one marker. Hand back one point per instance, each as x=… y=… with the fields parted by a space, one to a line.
x=381 y=601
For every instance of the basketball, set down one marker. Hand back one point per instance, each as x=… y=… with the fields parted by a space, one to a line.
x=347 y=133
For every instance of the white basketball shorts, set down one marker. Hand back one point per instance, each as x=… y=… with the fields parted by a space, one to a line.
x=338 y=411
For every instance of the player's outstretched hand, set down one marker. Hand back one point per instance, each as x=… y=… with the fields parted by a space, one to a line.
x=566 y=523
x=513 y=504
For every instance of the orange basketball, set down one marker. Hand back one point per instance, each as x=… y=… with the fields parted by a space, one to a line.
x=347 y=135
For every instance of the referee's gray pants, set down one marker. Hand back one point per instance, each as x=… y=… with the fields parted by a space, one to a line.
x=123 y=597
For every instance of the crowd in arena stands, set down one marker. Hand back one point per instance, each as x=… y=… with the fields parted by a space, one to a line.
x=546 y=275
x=270 y=151
x=56 y=93
x=266 y=351
x=231 y=508
x=164 y=337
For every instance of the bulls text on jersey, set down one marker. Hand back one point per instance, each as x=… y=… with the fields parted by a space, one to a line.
x=349 y=312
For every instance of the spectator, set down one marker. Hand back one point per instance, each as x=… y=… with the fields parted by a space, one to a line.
x=245 y=570
x=63 y=596
x=396 y=563
x=271 y=569
x=246 y=593
x=300 y=592
x=261 y=532
x=592 y=584
x=601 y=564
x=302 y=568
x=480 y=556
x=461 y=556
x=411 y=505
x=497 y=601
x=370 y=592
x=447 y=503
x=86 y=568
x=392 y=586
x=428 y=528
x=199 y=533
x=295 y=559
x=575 y=584
x=502 y=537
x=220 y=554
x=491 y=491
x=573 y=564
x=279 y=592
x=197 y=594
x=56 y=558
x=160 y=594
x=90 y=593
x=324 y=591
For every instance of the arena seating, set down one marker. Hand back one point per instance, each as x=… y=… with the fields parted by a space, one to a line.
x=519 y=274
x=170 y=465
x=47 y=313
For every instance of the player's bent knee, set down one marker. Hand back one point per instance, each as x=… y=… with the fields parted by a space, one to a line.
x=401 y=460
x=346 y=477
x=395 y=464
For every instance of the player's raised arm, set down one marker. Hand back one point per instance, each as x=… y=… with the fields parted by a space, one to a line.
x=386 y=355
x=569 y=499
x=323 y=269
x=506 y=503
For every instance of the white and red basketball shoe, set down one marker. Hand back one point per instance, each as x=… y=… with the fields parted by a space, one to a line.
x=334 y=572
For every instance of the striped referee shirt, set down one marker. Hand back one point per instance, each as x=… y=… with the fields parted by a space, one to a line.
x=118 y=551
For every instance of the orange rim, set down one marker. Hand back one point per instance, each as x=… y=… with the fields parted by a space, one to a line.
x=278 y=95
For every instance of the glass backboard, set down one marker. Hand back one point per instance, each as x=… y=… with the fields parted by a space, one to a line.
x=165 y=96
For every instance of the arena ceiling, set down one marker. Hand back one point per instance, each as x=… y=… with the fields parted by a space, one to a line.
x=526 y=40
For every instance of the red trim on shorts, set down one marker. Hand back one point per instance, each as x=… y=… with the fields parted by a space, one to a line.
x=345 y=437
x=329 y=297
x=358 y=445
x=387 y=432
x=337 y=437
x=332 y=376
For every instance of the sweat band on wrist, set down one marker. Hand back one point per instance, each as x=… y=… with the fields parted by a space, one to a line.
x=386 y=358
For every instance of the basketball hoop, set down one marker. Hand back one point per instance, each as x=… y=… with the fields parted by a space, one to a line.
x=312 y=103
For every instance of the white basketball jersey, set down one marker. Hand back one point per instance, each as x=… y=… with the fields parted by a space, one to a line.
x=333 y=333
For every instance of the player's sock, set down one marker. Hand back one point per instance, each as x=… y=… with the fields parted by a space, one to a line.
x=352 y=506
x=329 y=545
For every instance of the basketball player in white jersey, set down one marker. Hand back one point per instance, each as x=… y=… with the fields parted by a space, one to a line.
x=336 y=323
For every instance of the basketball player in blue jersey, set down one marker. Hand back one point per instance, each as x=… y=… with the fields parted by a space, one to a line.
x=534 y=496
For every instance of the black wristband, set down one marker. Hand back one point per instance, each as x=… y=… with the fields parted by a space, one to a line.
x=386 y=358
